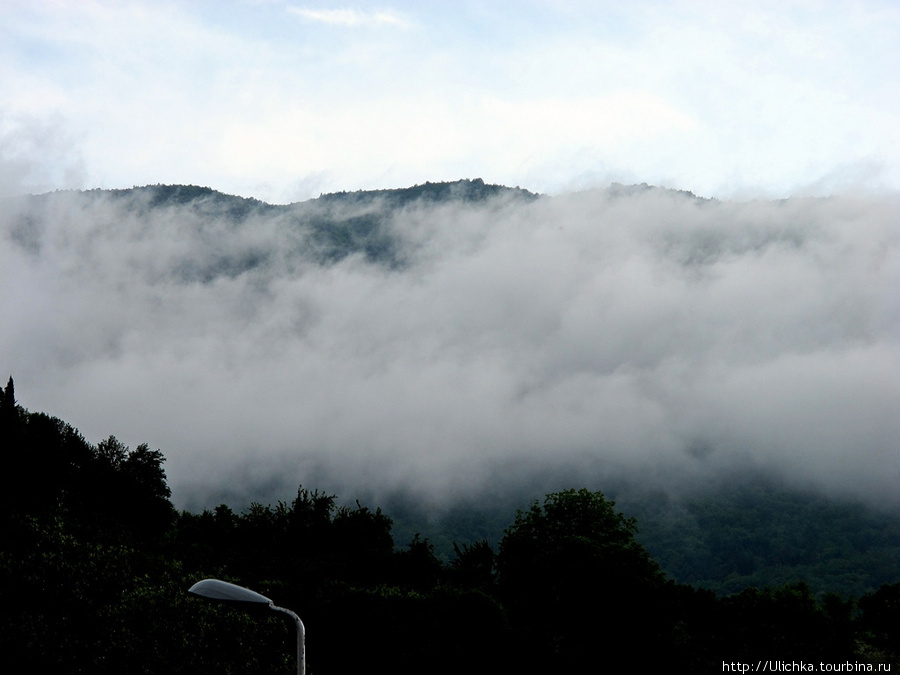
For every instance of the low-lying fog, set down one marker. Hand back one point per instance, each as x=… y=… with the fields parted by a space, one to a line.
x=634 y=332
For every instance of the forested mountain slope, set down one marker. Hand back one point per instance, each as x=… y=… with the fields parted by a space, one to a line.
x=95 y=564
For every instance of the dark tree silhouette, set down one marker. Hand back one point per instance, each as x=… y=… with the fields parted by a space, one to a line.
x=576 y=582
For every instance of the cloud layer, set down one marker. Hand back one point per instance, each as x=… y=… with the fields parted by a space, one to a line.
x=634 y=332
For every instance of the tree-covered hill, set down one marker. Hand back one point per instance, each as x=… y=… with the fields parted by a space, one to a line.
x=755 y=532
x=326 y=230
x=95 y=564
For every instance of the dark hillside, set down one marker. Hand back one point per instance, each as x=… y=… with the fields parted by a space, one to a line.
x=95 y=565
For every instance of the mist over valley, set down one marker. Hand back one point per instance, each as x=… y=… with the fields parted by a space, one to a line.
x=452 y=341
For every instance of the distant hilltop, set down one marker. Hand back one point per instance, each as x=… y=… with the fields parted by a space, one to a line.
x=324 y=230
x=469 y=191
x=475 y=190
x=465 y=190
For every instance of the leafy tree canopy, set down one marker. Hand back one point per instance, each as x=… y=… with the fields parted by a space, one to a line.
x=573 y=519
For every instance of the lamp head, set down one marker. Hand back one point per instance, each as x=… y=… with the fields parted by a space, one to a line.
x=213 y=589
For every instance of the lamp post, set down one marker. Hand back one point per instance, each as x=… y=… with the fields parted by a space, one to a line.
x=222 y=591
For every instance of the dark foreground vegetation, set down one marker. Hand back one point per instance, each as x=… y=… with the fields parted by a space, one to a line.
x=95 y=563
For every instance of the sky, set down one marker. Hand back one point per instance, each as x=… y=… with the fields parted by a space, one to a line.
x=285 y=100
x=651 y=334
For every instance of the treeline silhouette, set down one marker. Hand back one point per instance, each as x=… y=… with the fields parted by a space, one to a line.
x=95 y=563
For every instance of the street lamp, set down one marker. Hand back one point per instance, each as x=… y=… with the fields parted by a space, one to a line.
x=222 y=591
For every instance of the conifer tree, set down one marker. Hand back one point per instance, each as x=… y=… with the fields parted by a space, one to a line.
x=8 y=402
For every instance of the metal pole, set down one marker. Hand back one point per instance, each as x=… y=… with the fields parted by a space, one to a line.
x=301 y=638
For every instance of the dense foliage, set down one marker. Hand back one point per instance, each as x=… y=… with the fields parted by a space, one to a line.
x=95 y=563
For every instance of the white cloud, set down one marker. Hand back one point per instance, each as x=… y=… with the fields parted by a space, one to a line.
x=352 y=17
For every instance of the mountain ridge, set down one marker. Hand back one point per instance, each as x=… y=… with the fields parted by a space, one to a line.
x=465 y=189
